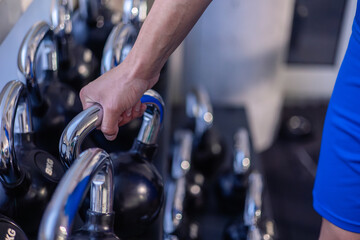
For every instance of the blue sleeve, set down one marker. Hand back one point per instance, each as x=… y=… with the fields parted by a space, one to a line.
x=336 y=194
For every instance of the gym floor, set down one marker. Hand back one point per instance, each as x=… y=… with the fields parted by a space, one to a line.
x=290 y=168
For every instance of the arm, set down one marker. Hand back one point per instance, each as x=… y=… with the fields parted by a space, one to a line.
x=119 y=90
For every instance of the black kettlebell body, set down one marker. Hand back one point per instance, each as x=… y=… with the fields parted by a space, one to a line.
x=30 y=175
x=92 y=33
x=60 y=105
x=10 y=230
x=139 y=190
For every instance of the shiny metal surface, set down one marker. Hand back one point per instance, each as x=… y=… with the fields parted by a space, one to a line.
x=76 y=131
x=118 y=45
x=135 y=11
x=198 y=106
x=181 y=161
x=93 y=165
x=254 y=233
x=152 y=118
x=174 y=205
x=27 y=58
x=242 y=160
x=9 y=96
x=23 y=120
x=89 y=119
x=253 y=202
x=61 y=11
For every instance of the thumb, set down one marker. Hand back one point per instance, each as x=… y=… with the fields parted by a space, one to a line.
x=109 y=125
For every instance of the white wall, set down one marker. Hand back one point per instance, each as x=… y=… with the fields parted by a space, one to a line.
x=235 y=51
x=37 y=11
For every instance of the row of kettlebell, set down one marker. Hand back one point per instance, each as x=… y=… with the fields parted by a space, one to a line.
x=198 y=156
x=29 y=175
x=55 y=67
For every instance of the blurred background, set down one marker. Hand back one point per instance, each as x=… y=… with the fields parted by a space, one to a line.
x=279 y=59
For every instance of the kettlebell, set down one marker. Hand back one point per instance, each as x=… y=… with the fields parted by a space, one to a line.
x=209 y=147
x=53 y=103
x=177 y=223
x=10 y=230
x=181 y=167
x=92 y=24
x=248 y=227
x=93 y=167
x=232 y=185
x=138 y=185
x=28 y=174
x=77 y=64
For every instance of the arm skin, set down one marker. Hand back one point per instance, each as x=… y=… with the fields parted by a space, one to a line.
x=119 y=90
x=331 y=232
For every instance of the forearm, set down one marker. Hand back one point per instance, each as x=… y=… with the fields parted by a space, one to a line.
x=166 y=26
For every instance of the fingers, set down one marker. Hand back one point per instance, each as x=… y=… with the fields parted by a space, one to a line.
x=109 y=125
x=132 y=113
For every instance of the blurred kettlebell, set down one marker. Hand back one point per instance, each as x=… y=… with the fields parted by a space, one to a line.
x=77 y=64
x=209 y=147
x=232 y=185
x=53 y=103
x=28 y=175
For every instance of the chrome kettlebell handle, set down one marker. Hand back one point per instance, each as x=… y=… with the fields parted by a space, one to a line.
x=198 y=106
x=27 y=62
x=253 y=201
x=61 y=12
x=94 y=167
x=91 y=118
x=135 y=11
x=10 y=96
x=118 y=45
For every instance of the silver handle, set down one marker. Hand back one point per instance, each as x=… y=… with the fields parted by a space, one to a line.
x=242 y=160
x=182 y=153
x=253 y=201
x=198 y=106
x=86 y=121
x=135 y=11
x=27 y=58
x=9 y=170
x=92 y=166
x=174 y=205
x=76 y=131
x=61 y=11
x=118 y=45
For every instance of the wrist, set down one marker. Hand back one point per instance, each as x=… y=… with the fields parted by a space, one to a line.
x=143 y=68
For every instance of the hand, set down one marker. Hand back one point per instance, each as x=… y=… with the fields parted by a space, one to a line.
x=118 y=91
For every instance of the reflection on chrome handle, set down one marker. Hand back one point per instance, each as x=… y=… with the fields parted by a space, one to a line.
x=135 y=12
x=118 y=45
x=253 y=202
x=27 y=58
x=242 y=160
x=181 y=161
x=198 y=106
x=152 y=118
x=61 y=11
x=76 y=131
x=174 y=205
x=9 y=96
x=92 y=166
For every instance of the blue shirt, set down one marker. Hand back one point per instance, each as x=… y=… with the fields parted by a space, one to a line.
x=337 y=186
